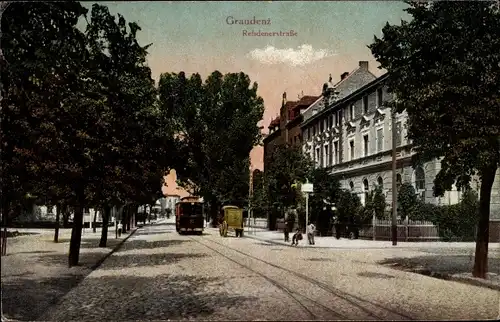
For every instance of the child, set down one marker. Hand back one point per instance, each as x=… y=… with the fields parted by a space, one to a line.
x=296 y=237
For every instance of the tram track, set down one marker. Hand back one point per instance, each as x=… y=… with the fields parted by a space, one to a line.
x=294 y=295
x=349 y=299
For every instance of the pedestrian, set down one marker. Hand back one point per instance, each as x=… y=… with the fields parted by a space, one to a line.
x=310 y=233
x=287 y=232
x=296 y=237
x=120 y=227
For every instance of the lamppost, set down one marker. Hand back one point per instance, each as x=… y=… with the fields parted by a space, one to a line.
x=394 y=227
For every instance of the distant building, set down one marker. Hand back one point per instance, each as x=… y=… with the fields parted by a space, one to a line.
x=170 y=201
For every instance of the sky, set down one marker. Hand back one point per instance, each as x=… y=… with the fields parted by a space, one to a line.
x=201 y=37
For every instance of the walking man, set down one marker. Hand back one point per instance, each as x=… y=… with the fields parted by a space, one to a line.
x=287 y=232
x=120 y=227
x=310 y=233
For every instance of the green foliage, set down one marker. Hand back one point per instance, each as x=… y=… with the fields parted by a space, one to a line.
x=456 y=222
x=443 y=69
x=348 y=206
x=407 y=200
x=374 y=203
x=287 y=165
x=215 y=123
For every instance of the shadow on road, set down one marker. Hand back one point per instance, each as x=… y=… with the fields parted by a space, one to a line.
x=119 y=261
x=148 y=298
x=444 y=264
x=27 y=298
x=137 y=243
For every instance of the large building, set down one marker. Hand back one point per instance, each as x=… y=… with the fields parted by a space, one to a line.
x=285 y=128
x=350 y=132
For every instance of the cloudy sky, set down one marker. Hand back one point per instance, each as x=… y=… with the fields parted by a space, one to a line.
x=327 y=37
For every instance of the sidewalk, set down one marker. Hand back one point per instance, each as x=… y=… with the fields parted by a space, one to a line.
x=451 y=261
x=35 y=273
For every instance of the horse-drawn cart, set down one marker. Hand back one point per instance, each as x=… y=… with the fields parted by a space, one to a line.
x=232 y=219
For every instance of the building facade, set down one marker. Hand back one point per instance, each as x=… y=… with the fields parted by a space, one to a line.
x=351 y=134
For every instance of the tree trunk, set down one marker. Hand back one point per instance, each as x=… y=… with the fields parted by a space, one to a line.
x=5 y=220
x=94 y=222
x=483 y=231
x=145 y=214
x=58 y=216
x=214 y=212
x=76 y=237
x=106 y=211
x=129 y=215
x=65 y=215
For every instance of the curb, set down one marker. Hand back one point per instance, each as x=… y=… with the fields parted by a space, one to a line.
x=116 y=248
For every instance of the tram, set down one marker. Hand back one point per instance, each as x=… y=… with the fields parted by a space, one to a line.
x=189 y=215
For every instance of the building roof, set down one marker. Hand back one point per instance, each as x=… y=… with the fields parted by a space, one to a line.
x=347 y=98
x=307 y=100
x=274 y=122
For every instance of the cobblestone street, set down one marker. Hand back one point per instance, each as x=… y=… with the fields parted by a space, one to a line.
x=160 y=275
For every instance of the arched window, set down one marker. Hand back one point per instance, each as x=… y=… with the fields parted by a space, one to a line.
x=380 y=182
x=419 y=179
x=365 y=185
x=398 y=181
x=351 y=185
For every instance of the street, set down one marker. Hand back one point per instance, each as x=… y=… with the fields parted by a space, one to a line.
x=158 y=274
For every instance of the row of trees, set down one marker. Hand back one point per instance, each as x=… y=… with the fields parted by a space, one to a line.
x=83 y=124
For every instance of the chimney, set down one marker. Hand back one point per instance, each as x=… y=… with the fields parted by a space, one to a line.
x=344 y=75
x=363 y=65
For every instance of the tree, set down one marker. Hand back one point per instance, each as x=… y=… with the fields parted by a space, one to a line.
x=407 y=200
x=43 y=55
x=348 y=206
x=215 y=123
x=374 y=204
x=326 y=193
x=136 y=155
x=287 y=166
x=443 y=68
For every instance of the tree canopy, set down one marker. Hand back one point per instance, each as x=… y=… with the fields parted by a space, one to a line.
x=443 y=67
x=215 y=123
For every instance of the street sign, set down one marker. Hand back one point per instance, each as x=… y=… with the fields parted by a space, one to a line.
x=307 y=187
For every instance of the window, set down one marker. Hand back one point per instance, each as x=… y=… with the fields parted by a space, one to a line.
x=331 y=120
x=330 y=157
x=327 y=123
x=380 y=139
x=365 y=104
x=365 y=145
x=419 y=179
x=308 y=134
x=351 y=112
x=365 y=189
x=398 y=134
x=321 y=128
x=380 y=182
x=326 y=155
x=351 y=148
x=317 y=158
x=336 y=149
x=380 y=98
x=314 y=129
x=337 y=118
x=351 y=185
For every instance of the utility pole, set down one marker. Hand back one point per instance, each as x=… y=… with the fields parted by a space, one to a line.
x=394 y=226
